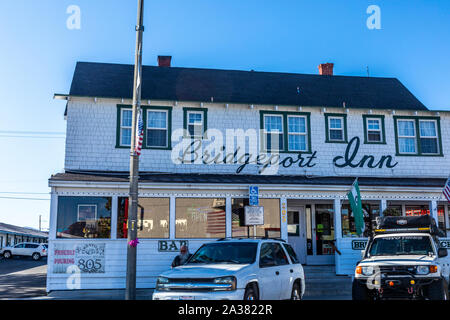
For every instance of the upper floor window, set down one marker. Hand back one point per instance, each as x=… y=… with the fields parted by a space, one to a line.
x=285 y=131
x=157 y=128
x=157 y=124
x=336 y=127
x=195 y=121
x=374 y=129
x=273 y=132
x=418 y=136
x=297 y=133
x=429 y=139
x=126 y=120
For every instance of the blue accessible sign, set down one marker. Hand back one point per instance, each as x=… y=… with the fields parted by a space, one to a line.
x=253 y=192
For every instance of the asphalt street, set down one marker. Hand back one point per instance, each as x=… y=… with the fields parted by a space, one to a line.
x=22 y=278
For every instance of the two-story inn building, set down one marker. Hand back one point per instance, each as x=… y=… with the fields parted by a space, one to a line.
x=209 y=135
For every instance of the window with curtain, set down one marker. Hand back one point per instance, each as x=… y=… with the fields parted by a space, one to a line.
x=406 y=136
x=157 y=128
x=126 y=119
x=297 y=133
x=200 y=218
x=273 y=132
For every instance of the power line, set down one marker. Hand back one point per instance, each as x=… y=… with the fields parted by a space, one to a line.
x=32 y=132
x=7 y=192
x=49 y=137
x=19 y=198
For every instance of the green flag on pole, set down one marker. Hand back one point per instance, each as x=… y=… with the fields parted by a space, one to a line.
x=354 y=197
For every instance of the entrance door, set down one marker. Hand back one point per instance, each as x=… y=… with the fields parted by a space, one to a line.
x=321 y=219
x=297 y=232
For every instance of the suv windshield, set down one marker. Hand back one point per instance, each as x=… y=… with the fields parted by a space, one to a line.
x=413 y=245
x=238 y=253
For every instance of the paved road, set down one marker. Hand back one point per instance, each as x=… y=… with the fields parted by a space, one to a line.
x=22 y=278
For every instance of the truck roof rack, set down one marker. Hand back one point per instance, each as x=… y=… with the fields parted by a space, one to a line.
x=419 y=224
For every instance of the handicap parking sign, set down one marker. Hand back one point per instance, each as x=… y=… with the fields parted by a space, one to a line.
x=253 y=192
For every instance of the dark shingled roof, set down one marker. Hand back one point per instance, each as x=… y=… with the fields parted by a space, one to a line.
x=12 y=229
x=247 y=87
x=246 y=179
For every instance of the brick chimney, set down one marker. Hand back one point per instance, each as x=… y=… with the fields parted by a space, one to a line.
x=326 y=69
x=164 y=61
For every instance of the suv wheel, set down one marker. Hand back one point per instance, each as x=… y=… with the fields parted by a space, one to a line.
x=7 y=255
x=438 y=290
x=296 y=292
x=251 y=293
x=36 y=256
x=359 y=291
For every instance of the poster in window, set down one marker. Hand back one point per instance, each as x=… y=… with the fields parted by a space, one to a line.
x=87 y=212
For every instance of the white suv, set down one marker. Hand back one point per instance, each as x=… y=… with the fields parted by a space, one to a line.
x=30 y=249
x=236 y=269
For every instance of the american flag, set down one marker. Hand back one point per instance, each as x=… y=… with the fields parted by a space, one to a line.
x=139 y=134
x=446 y=190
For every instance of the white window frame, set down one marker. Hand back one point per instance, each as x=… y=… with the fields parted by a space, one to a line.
x=125 y=127
x=265 y=132
x=380 y=130
x=166 y=128
x=429 y=137
x=189 y=124
x=409 y=137
x=342 y=128
x=298 y=133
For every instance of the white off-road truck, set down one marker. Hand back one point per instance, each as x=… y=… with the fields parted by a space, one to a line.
x=403 y=260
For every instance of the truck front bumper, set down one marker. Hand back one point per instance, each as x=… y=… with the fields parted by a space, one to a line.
x=397 y=287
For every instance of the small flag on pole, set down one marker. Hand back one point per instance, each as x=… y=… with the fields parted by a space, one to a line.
x=354 y=197
x=139 y=134
x=446 y=190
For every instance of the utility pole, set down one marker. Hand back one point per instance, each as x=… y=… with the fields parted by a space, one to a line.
x=40 y=222
x=130 y=293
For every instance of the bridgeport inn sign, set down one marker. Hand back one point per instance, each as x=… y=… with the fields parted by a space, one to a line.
x=209 y=134
x=212 y=151
x=217 y=150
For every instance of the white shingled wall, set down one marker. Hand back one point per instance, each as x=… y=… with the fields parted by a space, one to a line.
x=91 y=141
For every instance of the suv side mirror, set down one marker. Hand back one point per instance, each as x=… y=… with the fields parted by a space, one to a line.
x=442 y=252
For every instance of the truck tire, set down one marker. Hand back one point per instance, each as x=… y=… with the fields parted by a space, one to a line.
x=438 y=290
x=359 y=292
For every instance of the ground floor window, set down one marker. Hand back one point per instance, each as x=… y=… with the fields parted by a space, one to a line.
x=271 y=227
x=422 y=210
x=370 y=210
x=83 y=217
x=200 y=218
x=153 y=218
x=393 y=210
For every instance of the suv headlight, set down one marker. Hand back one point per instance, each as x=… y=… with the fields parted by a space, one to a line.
x=161 y=282
x=367 y=271
x=226 y=283
x=422 y=270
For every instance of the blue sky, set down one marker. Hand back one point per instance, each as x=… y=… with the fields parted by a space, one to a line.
x=39 y=53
